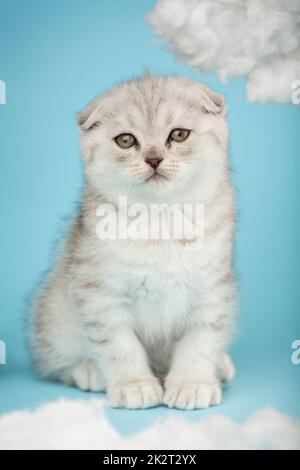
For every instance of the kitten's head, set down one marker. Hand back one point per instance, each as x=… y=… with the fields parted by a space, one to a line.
x=154 y=137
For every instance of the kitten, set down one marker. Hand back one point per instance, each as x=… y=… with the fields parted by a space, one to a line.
x=148 y=321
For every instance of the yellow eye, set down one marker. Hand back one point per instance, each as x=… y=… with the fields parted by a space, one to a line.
x=179 y=135
x=125 y=141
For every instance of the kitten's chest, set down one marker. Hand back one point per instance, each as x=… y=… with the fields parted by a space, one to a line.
x=162 y=292
x=157 y=289
x=159 y=283
x=159 y=303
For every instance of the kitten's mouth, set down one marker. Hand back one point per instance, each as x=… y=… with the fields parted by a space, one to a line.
x=156 y=177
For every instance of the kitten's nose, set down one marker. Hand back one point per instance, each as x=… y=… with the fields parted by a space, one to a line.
x=154 y=162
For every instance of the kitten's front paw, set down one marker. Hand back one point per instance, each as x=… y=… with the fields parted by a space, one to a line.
x=141 y=394
x=192 y=395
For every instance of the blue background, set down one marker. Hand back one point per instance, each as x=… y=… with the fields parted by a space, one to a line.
x=54 y=57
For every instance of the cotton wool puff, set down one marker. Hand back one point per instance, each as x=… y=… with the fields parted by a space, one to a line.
x=85 y=424
x=259 y=39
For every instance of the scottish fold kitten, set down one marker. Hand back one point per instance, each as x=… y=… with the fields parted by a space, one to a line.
x=147 y=320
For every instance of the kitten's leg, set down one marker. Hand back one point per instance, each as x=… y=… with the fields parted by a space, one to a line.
x=113 y=343
x=57 y=346
x=193 y=380
x=58 y=349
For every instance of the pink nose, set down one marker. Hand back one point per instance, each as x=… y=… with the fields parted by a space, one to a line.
x=154 y=162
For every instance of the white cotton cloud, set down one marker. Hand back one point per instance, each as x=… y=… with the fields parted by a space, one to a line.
x=82 y=424
x=259 y=39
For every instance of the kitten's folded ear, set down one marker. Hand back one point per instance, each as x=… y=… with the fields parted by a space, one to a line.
x=212 y=102
x=89 y=117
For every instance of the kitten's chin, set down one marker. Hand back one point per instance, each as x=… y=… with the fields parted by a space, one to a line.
x=156 y=178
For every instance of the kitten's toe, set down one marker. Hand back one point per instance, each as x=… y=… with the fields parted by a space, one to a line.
x=226 y=368
x=141 y=394
x=86 y=376
x=190 y=395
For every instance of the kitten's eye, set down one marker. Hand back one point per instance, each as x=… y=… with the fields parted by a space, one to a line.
x=179 y=135
x=125 y=141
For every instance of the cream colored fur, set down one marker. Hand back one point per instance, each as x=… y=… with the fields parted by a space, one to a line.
x=147 y=321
